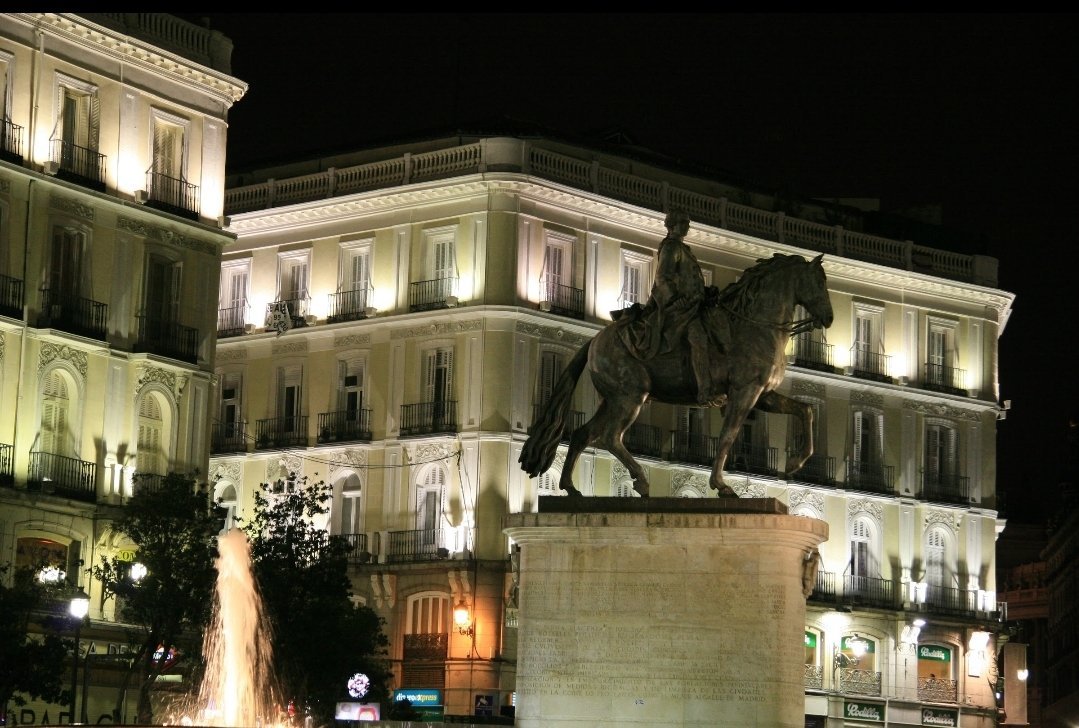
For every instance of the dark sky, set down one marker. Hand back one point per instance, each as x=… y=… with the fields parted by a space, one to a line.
x=975 y=112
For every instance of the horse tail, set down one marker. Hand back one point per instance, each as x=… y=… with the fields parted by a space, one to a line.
x=546 y=432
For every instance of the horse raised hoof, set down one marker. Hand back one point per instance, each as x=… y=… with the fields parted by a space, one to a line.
x=572 y=492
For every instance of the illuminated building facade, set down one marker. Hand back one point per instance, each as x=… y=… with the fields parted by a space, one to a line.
x=390 y=320
x=112 y=169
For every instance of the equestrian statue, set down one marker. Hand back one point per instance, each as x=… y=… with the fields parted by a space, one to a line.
x=690 y=344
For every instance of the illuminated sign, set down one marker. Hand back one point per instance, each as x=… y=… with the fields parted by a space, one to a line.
x=940 y=716
x=932 y=652
x=419 y=696
x=864 y=711
x=811 y=639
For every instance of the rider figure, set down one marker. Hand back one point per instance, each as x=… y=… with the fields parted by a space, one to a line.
x=673 y=309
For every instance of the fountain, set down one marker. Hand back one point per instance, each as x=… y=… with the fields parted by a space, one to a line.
x=238 y=686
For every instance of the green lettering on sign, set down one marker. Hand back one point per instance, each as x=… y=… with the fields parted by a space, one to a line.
x=864 y=711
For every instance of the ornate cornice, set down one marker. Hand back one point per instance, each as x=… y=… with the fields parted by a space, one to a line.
x=171 y=381
x=939 y=409
x=238 y=353
x=351 y=458
x=230 y=470
x=750 y=489
x=552 y=333
x=859 y=396
x=165 y=235
x=944 y=518
x=49 y=352
x=284 y=466
x=439 y=328
x=689 y=479
x=426 y=452
x=71 y=207
x=807 y=497
x=343 y=342
x=298 y=346
x=805 y=386
x=862 y=505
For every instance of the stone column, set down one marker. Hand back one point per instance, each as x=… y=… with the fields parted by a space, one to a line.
x=661 y=612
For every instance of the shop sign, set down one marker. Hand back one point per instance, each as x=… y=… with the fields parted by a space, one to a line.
x=811 y=639
x=419 y=697
x=864 y=711
x=932 y=652
x=844 y=644
x=940 y=716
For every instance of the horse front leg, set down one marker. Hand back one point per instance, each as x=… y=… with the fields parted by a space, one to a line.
x=739 y=403
x=803 y=413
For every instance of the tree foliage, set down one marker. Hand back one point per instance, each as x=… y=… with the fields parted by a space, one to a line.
x=320 y=636
x=35 y=657
x=174 y=529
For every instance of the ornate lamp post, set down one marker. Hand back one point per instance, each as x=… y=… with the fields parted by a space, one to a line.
x=78 y=609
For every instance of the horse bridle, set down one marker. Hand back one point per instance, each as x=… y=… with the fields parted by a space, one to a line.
x=793 y=328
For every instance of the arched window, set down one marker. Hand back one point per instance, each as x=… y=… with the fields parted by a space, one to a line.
x=430 y=491
x=150 y=455
x=349 y=518
x=226 y=499
x=56 y=436
x=864 y=566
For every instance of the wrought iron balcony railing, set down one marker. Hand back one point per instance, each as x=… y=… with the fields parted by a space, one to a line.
x=232 y=321
x=348 y=305
x=168 y=338
x=854 y=681
x=870 y=476
x=936 y=690
x=824 y=588
x=11 y=298
x=870 y=591
x=357 y=547
x=228 y=437
x=867 y=364
x=810 y=354
x=344 y=426
x=81 y=165
x=7 y=464
x=951 y=601
x=416 y=545
x=561 y=299
x=814 y=677
x=297 y=306
x=949 y=380
x=281 y=432
x=691 y=448
x=818 y=469
x=63 y=476
x=432 y=294
x=172 y=194
x=74 y=314
x=11 y=142
x=753 y=459
x=147 y=482
x=945 y=488
x=644 y=440
x=428 y=418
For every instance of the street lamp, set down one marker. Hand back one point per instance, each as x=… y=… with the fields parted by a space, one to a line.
x=463 y=619
x=78 y=608
x=856 y=645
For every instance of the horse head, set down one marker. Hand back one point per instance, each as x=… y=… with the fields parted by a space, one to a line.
x=812 y=293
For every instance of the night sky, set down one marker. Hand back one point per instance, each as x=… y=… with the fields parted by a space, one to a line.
x=974 y=112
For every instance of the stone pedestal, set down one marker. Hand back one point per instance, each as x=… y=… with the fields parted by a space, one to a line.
x=661 y=612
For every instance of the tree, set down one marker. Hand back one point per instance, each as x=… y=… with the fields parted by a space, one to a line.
x=320 y=636
x=174 y=529
x=34 y=666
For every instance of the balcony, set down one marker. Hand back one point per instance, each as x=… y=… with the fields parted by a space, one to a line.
x=818 y=469
x=824 y=588
x=349 y=305
x=232 y=321
x=173 y=195
x=814 y=677
x=73 y=314
x=417 y=545
x=344 y=426
x=168 y=338
x=433 y=294
x=428 y=418
x=226 y=437
x=147 y=483
x=11 y=298
x=854 y=681
x=62 y=476
x=869 y=591
x=560 y=299
x=945 y=488
x=870 y=477
x=294 y=308
x=809 y=354
x=752 y=459
x=949 y=380
x=935 y=690
x=356 y=545
x=11 y=142
x=7 y=465
x=288 y=431
x=866 y=364
x=644 y=440
x=80 y=165
x=947 y=600
x=692 y=449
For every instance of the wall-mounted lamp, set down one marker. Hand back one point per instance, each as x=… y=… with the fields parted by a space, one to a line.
x=462 y=618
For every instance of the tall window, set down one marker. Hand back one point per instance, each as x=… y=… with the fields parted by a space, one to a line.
x=289 y=401
x=867 y=443
x=292 y=277
x=430 y=491
x=354 y=277
x=230 y=401
x=162 y=289
x=350 y=375
x=77 y=120
x=796 y=436
x=936 y=565
x=442 y=257
x=150 y=457
x=232 y=297
x=168 y=151
x=551 y=365
x=941 y=448
x=65 y=262
x=438 y=375
x=349 y=516
x=864 y=563
x=636 y=278
x=941 y=357
x=428 y=613
x=56 y=434
x=226 y=499
x=866 y=354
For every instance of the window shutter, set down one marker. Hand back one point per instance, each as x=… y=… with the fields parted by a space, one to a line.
x=932 y=452
x=856 y=452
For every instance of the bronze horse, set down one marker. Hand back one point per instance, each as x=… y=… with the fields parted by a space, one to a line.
x=748 y=322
